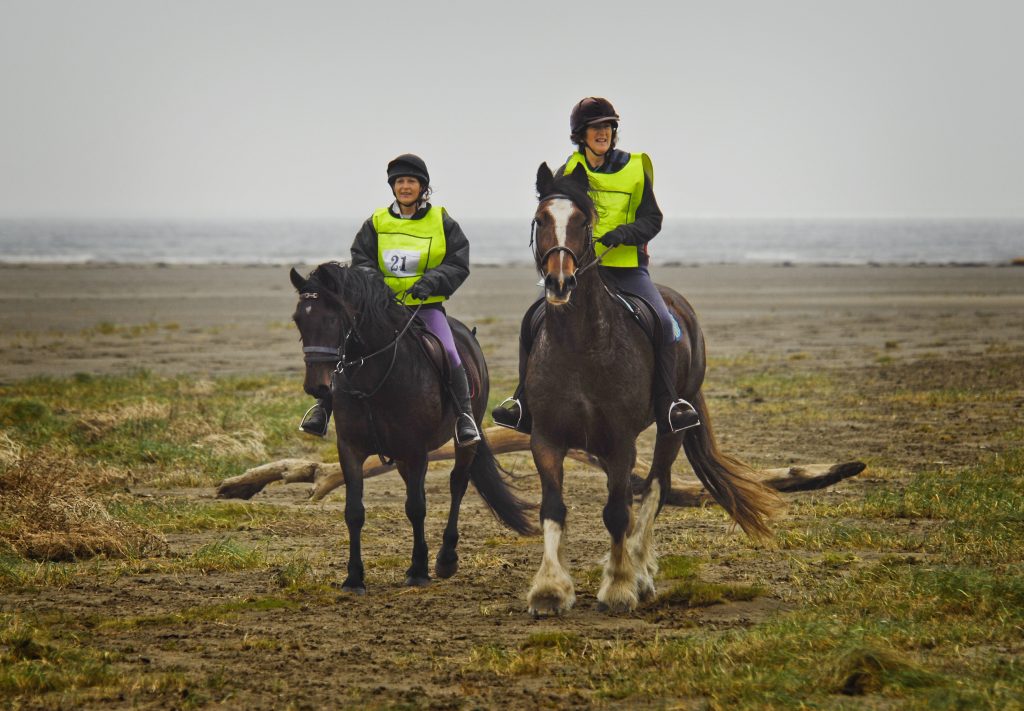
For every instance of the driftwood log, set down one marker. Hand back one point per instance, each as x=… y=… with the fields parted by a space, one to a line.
x=327 y=477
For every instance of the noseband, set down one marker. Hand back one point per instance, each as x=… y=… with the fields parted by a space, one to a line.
x=576 y=259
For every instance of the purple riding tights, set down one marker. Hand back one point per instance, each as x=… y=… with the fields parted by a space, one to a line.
x=433 y=317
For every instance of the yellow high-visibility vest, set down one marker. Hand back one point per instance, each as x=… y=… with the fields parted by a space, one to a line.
x=407 y=248
x=616 y=198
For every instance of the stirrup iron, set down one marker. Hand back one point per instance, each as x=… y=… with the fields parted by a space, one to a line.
x=476 y=431
x=519 y=421
x=688 y=407
x=327 y=422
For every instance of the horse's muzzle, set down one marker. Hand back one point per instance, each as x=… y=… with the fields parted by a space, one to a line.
x=558 y=288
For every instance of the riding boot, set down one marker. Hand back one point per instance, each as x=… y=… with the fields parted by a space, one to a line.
x=671 y=413
x=466 y=431
x=317 y=418
x=513 y=412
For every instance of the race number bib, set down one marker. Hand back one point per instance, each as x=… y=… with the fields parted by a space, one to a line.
x=402 y=262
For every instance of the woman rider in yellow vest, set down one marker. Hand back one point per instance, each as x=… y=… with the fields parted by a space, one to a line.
x=622 y=187
x=424 y=257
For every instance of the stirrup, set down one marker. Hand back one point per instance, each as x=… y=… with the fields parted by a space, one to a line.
x=476 y=431
x=519 y=407
x=689 y=408
x=313 y=431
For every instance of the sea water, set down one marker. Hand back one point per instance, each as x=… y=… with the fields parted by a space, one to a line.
x=495 y=242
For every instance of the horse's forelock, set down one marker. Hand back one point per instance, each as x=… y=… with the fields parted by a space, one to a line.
x=566 y=185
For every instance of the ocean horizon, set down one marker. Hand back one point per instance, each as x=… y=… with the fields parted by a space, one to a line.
x=496 y=242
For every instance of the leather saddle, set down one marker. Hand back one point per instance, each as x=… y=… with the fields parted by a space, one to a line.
x=638 y=307
x=434 y=351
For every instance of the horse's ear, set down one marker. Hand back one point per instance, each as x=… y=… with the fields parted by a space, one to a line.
x=544 y=179
x=579 y=177
x=297 y=281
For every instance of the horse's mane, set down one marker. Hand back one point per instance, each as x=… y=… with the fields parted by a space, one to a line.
x=369 y=299
x=569 y=187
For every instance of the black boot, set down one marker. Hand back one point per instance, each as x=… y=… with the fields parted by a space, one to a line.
x=513 y=413
x=317 y=418
x=671 y=414
x=466 y=431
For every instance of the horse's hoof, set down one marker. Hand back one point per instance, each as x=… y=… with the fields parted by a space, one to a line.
x=417 y=581
x=354 y=588
x=446 y=568
x=548 y=605
x=618 y=608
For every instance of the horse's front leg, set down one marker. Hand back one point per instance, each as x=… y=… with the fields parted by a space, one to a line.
x=619 y=590
x=447 y=562
x=414 y=472
x=552 y=591
x=355 y=517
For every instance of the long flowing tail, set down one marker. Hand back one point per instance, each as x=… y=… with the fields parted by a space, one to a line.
x=487 y=477
x=727 y=479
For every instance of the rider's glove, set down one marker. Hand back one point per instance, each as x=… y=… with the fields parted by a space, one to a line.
x=420 y=290
x=612 y=239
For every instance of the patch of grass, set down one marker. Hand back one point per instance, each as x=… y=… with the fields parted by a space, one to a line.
x=696 y=593
x=223 y=612
x=33 y=663
x=181 y=515
x=678 y=566
x=225 y=555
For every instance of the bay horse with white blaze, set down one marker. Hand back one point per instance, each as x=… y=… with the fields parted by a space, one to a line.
x=362 y=346
x=589 y=379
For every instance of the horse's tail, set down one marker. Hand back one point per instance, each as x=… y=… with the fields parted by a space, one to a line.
x=748 y=502
x=486 y=475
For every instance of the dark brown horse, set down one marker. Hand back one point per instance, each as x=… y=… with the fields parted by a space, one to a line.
x=362 y=346
x=589 y=379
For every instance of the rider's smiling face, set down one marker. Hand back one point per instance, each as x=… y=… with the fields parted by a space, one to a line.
x=407 y=190
x=599 y=138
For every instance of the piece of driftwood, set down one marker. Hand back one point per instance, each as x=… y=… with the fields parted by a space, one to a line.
x=327 y=477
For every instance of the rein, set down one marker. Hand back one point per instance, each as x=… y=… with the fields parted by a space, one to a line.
x=349 y=368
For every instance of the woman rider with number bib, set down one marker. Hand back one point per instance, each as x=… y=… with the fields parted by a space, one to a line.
x=622 y=187
x=424 y=257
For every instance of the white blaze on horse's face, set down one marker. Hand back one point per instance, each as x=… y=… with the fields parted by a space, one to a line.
x=559 y=267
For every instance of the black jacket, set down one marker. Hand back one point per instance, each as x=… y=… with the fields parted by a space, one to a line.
x=648 y=215
x=443 y=279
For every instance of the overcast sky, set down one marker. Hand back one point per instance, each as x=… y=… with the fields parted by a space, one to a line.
x=748 y=108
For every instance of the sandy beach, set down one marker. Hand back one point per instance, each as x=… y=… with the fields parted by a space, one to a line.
x=213 y=320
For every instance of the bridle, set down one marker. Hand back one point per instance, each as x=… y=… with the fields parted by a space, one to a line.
x=577 y=260
x=349 y=368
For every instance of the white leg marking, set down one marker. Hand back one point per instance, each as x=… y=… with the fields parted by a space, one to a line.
x=552 y=591
x=641 y=542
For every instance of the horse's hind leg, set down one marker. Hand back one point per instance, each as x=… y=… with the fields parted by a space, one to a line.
x=552 y=591
x=447 y=562
x=657 y=486
x=415 y=473
x=618 y=591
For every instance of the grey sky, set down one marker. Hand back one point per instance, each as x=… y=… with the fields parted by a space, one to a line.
x=748 y=108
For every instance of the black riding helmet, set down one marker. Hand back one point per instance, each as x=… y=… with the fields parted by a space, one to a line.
x=409 y=165
x=589 y=111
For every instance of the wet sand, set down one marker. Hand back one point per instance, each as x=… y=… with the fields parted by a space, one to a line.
x=214 y=319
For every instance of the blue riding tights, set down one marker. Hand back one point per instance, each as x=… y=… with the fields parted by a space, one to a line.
x=637 y=280
x=433 y=317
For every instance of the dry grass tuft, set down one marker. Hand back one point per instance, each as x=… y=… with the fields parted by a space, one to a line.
x=245 y=443
x=10 y=451
x=47 y=514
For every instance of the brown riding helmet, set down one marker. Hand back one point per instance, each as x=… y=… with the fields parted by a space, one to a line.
x=589 y=111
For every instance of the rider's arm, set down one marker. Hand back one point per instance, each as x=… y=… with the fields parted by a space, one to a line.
x=648 y=219
x=448 y=276
x=364 y=247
